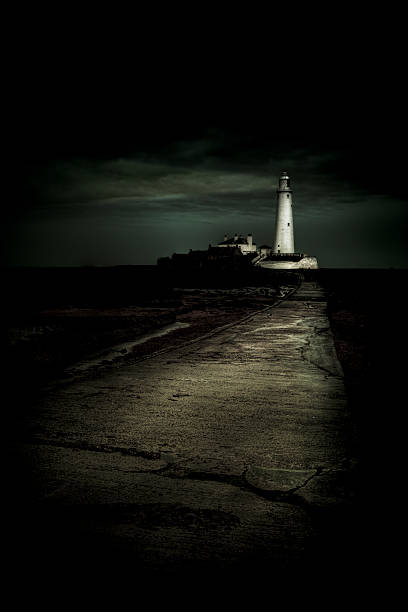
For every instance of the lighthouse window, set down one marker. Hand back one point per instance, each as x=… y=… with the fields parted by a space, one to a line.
x=288 y=224
x=287 y=195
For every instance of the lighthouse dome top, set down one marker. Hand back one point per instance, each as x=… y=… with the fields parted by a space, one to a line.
x=284 y=174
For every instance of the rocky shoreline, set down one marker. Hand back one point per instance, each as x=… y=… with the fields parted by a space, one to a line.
x=42 y=343
x=41 y=340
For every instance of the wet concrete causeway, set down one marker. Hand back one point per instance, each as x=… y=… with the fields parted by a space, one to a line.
x=236 y=449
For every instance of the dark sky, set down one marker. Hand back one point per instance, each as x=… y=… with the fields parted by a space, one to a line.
x=123 y=153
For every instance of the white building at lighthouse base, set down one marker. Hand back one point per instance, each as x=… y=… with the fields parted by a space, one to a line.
x=305 y=263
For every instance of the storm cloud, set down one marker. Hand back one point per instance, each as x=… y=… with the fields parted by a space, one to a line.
x=185 y=194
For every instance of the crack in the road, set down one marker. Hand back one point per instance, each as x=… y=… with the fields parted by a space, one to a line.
x=239 y=481
x=283 y=496
x=177 y=471
x=308 y=346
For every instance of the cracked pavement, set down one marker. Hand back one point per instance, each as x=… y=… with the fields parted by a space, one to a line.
x=236 y=450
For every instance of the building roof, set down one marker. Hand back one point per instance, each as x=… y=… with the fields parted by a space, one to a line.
x=223 y=252
x=233 y=242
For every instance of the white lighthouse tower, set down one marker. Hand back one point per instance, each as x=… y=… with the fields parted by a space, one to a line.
x=284 y=240
x=283 y=255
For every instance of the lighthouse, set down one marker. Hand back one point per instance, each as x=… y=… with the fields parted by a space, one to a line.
x=283 y=256
x=284 y=240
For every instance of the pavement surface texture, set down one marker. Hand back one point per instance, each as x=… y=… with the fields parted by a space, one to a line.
x=230 y=456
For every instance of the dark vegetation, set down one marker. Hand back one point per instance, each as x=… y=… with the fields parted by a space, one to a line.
x=367 y=312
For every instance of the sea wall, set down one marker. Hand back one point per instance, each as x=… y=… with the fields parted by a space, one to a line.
x=307 y=263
